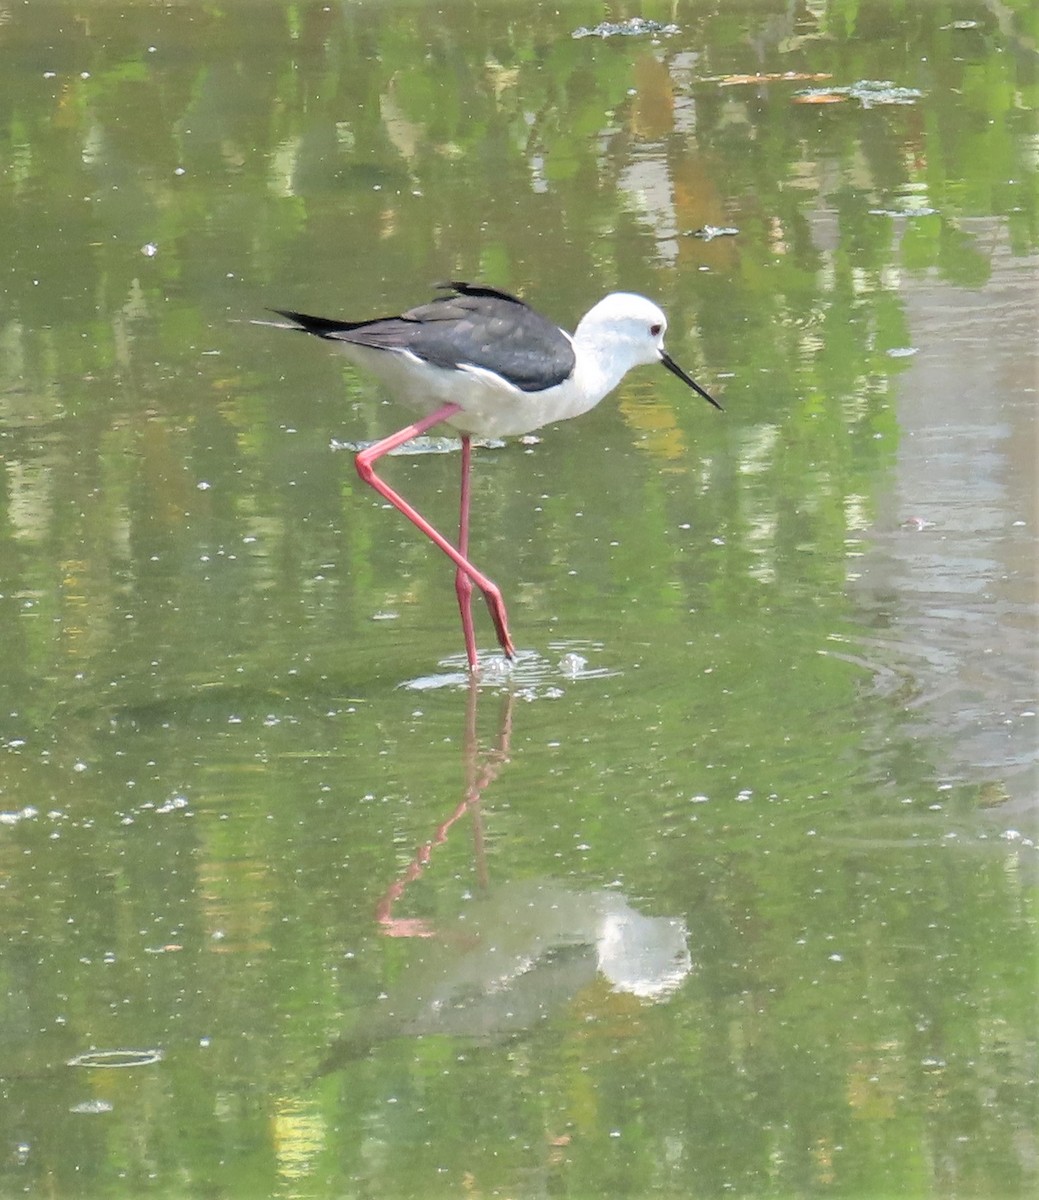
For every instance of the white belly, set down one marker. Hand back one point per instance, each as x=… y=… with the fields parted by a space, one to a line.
x=491 y=407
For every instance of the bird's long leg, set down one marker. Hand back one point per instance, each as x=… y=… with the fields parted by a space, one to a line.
x=490 y=591
x=463 y=584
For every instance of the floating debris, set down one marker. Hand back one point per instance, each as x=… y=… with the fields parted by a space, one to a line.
x=708 y=232
x=868 y=92
x=901 y=352
x=960 y=25
x=817 y=97
x=634 y=27
x=769 y=77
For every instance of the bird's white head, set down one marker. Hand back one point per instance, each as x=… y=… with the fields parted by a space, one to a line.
x=631 y=326
x=623 y=331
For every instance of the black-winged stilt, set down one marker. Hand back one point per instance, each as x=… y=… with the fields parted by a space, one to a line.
x=487 y=365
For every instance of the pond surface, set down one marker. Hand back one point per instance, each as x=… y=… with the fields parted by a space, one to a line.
x=728 y=885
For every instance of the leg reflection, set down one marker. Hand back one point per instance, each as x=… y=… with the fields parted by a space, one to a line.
x=481 y=770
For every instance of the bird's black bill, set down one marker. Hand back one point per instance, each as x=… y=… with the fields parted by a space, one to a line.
x=675 y=369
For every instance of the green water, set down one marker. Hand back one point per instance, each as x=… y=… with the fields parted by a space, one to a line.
x=728 y=887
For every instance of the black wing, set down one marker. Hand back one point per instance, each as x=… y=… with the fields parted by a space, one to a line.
x=472 y=326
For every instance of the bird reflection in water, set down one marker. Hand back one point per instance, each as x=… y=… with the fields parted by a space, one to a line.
x=516 y=954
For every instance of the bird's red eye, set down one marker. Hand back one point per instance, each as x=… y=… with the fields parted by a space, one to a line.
x=655 y=330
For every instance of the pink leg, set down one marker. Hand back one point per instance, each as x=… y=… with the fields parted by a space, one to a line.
x=463 y=584
x=491 y=592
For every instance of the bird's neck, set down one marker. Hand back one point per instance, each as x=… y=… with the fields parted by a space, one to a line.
x=601 y=365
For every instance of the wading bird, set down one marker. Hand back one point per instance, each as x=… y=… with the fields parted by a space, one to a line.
x=487 y=365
